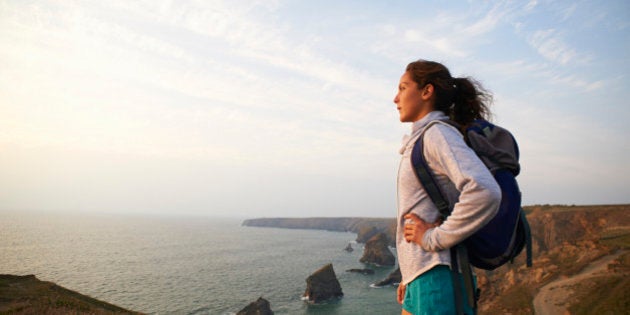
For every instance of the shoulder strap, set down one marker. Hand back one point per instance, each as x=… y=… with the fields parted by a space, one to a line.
x=429 y=183
x=426 y=177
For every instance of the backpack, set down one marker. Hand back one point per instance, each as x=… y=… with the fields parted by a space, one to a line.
x=504 y=237
x=507 y=233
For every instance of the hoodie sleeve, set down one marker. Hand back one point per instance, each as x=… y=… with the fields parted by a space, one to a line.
x=454 y=163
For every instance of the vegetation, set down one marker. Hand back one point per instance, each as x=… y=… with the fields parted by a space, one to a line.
x=616 y=238
x=608 y=295
x=29 y=295
x=516 y=300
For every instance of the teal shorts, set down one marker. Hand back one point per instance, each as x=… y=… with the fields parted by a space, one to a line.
x=432 y=293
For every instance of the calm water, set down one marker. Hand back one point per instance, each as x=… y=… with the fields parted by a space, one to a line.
x=166 y=265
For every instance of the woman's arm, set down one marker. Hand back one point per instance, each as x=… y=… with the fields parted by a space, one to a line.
x=448 y=155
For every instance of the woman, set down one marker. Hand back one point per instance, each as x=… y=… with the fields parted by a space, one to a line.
x=427 y=92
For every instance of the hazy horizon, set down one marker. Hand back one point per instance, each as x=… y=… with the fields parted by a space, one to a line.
x=284 y=108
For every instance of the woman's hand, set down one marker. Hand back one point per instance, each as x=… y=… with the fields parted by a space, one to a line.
x=414 y=231
x=401 y=293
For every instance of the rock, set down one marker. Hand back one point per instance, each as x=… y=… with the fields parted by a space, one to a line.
x=363 y=271
x=364 y=233
x=394 y=278
x=258 y=307
x=323 y=285
x=538 y=275
x=376 y=251
x=348 y=248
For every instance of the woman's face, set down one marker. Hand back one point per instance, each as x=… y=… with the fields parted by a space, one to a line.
x=412 y=103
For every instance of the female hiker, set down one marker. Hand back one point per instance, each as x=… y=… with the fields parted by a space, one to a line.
x=427 y=92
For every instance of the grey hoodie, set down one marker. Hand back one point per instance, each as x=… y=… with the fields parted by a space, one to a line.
x=464 y=180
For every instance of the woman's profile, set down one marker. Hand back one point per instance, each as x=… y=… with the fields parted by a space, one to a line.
x=426 y=93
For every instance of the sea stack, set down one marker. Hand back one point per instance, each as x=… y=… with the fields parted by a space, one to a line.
x=394 y=278
x=323 y=285
x=258 y=307
x=348 y=248
x=376 y=251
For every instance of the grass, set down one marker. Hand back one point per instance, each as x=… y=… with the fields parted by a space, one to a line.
x=607 y=294
x=516 y=300
x=616 y=239
x=29 y=295
x=603 y=296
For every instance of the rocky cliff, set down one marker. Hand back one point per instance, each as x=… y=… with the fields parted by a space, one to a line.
x=365 y=228
x=566 y=239
x=376 y=251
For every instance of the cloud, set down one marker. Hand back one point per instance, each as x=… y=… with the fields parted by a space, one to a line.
x=487 y=22
x=195 y=88
x=543 y=73
x=531 y=5
x=157 y=97
x=569 y=11
x=550 y=45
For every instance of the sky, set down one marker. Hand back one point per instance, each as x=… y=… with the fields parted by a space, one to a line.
x=285 y=108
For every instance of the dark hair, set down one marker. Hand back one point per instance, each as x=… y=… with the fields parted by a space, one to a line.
x=462 y=99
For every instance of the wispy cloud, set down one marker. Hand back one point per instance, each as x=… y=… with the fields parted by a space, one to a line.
x=488 y=21
x=282 y=87
x=550 y=45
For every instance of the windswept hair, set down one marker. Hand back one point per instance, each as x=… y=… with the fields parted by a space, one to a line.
x=462 y=99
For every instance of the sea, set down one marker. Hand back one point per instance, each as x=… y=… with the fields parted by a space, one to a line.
x=188 y=265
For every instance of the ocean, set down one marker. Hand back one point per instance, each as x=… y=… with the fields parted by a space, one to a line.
x=188 y=265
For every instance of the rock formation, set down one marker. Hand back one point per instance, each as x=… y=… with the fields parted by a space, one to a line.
x=376 y=251
x=394 y=278
x=364 y=233
x=364 y=227
x=349 y=248
x=258 y=307
x=323 y=285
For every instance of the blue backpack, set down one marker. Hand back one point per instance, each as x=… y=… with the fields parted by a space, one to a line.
x=505 y=236
x=502 y=238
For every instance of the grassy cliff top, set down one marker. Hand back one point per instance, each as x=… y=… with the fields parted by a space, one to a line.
x=29 y=295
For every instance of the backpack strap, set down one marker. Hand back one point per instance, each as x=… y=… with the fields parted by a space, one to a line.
x=457 y=285
x=472 y=294
x=425 y=177
x=528 y=239
x=459 y=257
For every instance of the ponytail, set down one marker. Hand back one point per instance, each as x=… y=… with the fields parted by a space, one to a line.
x=462 y=99
x=470 y=101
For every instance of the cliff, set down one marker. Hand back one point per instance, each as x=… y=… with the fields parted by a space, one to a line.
x=568 y=241
x=376 y=251
x=29 y=295
x=365 y=228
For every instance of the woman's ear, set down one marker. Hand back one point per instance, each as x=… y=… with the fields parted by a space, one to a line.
x=427 y=91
